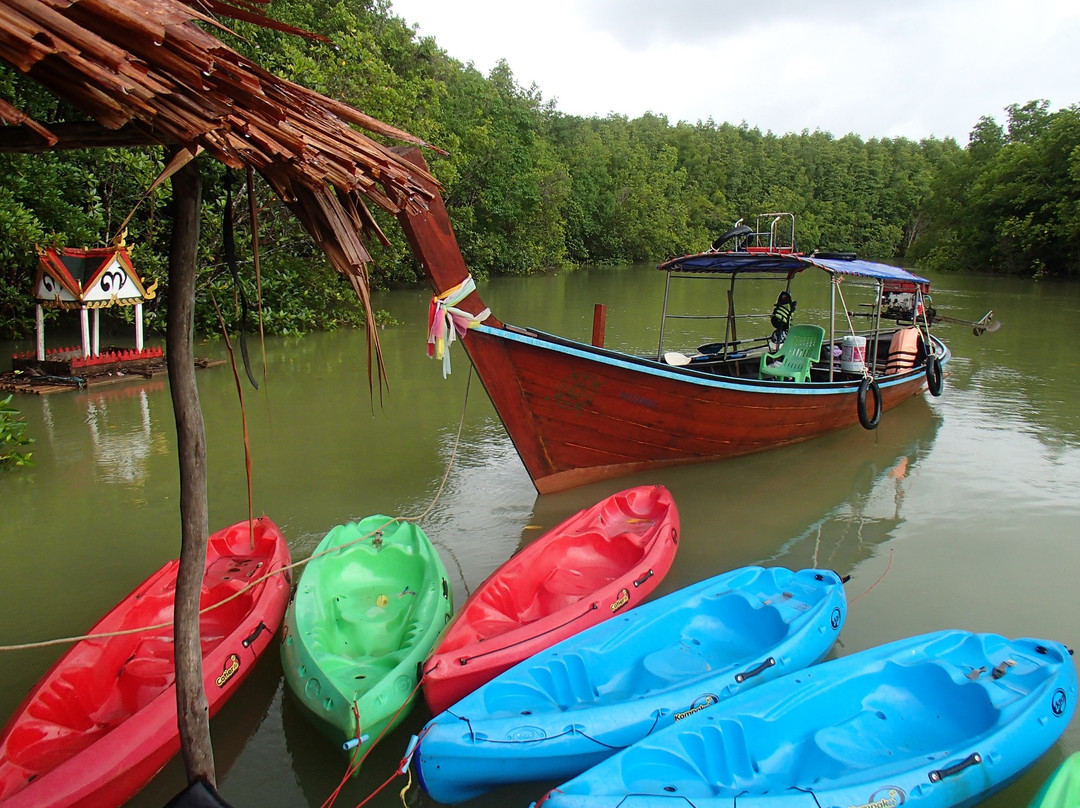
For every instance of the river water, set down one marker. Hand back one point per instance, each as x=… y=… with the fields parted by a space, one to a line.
x=957 y=512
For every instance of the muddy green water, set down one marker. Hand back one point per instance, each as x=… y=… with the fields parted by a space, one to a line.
x=959 y=511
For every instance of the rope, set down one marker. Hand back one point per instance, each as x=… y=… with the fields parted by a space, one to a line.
x=286 y=568
x=354 y=765
x=243 y=412
x=586 y=613
x=875 y=583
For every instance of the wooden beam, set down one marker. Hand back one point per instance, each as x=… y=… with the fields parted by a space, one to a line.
x=89 y=135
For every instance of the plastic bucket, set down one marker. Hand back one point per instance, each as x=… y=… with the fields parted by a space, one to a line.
x=853 y=354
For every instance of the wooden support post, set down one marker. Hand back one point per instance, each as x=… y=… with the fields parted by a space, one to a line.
x=192 y=709
x=599 y=324
x=96 y=341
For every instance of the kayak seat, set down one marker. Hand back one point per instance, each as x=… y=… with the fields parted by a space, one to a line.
x=894 y=714
x=370 y=622
x=215 y=624
x=724 y=755
x=563 y=587
x=588 y=565
x=850 y=745
x=153 y=658
x=672 y=664
x=149 y=671
x=795 y=357
x=566 y=681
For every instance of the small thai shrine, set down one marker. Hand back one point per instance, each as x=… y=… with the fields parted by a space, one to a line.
x=88 y=280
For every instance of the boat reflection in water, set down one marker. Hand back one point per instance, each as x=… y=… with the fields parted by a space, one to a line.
x=828 y=503
x=872 y=514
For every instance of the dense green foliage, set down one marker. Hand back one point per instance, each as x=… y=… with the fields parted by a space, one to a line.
x=528 y=187
x=1012 y=204
x=12 y=437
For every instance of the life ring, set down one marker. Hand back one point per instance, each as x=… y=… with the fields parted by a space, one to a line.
x=864 y=417
x=934 y=378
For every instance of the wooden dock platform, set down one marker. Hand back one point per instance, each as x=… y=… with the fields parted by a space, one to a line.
x=58 y=374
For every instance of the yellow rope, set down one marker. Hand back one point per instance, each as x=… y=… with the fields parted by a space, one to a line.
x=286 y=568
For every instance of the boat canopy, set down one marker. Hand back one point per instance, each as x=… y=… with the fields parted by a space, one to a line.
x=768 y=262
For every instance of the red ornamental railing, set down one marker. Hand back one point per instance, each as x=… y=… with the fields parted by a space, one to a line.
x=117 y=356
x=105 y=358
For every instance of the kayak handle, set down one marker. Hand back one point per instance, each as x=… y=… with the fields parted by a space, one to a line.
x=742 y=677
x=941 y=774
x=259 y=629
x=643 y=578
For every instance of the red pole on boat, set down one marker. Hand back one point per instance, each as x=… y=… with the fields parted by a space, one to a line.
x=599 y=324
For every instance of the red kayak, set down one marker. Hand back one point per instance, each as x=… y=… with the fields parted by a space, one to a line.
x=102 y=722
x=599 y=562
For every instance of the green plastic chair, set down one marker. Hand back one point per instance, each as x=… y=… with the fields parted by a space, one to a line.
x=800 y=350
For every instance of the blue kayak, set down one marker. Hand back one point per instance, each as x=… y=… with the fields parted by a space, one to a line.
x=942 y=719
x=576 y=703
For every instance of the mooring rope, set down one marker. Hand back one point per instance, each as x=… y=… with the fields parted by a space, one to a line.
x=354 y=765
x=875 y=583
x=283 y=569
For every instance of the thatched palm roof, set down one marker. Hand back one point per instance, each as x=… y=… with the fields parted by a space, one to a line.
x=147 y=65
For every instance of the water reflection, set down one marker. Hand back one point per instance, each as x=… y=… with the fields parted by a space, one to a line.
x=122 y=438
x=851 y=532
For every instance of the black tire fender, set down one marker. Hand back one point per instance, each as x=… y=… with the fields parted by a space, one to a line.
x=935 y=380
x=869 y=385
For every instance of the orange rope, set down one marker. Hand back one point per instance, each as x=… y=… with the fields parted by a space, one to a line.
x=875 y=583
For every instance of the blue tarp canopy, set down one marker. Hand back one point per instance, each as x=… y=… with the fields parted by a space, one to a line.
x=867 y=269
x=735 y=263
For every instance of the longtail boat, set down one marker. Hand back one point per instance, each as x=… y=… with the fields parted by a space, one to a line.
x=578 y=413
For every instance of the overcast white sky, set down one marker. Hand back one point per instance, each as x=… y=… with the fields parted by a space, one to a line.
x=904 y=68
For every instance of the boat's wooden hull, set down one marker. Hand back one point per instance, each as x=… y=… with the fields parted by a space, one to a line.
x=601 y=561
x=577 y=414
x=629 y=677
x=367 y=611
x=102 y=721
x=937 y=721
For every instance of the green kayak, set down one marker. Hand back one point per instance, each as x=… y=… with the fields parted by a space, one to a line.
x=364 y=617
x=1062 y=790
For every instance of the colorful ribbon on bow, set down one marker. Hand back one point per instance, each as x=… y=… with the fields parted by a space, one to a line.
x=446 y=322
